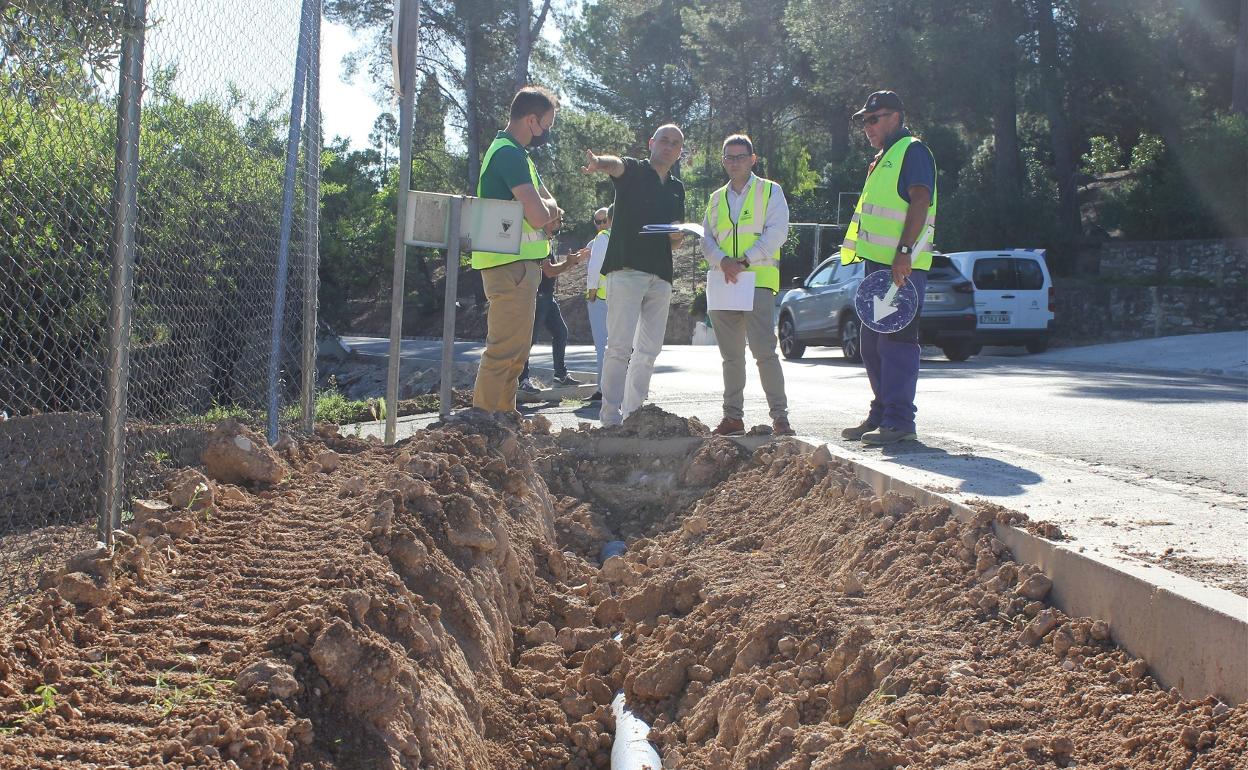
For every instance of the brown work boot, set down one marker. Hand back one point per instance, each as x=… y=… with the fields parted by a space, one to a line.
x=885 y=435
x=730 y=426
x=855 y=433
x=780 y=427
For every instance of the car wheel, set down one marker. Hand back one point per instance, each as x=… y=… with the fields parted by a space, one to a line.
x=958 y=351
x=1037 y=346
x=851 y=339
x=790 y=348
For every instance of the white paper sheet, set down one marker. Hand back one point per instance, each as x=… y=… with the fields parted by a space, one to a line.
x=721 y=295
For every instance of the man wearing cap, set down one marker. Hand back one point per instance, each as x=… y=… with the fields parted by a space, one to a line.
x=892 y=229
x=511 y=280
x=747 y=221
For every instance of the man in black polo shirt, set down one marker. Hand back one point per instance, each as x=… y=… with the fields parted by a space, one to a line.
x=638 y=268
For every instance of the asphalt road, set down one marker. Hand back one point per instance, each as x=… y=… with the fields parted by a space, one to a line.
x=1128 y=462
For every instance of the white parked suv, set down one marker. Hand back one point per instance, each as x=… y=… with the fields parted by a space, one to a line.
x=1013 y=296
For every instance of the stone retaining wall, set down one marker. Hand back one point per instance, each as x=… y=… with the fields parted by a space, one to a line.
x=1089 y=313
x=1162 y=263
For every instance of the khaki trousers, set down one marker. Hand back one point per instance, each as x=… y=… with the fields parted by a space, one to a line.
x=511 y=290
x=733 y=328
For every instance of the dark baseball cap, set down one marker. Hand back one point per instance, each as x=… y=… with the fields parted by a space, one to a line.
x=881 y=100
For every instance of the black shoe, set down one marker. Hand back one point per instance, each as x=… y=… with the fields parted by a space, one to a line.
x=566 y=381
x=529 y=386
x=597 y=396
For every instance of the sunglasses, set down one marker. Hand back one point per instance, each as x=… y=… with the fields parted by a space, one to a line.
x=600 y=221
x=871 y=121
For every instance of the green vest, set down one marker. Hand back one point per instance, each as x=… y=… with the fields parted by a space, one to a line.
x=533 y=242
x=602 y=284
x=875 y=231
x=735 y=238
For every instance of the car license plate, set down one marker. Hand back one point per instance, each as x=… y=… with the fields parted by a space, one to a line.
x=994 y=318
x=933 y=296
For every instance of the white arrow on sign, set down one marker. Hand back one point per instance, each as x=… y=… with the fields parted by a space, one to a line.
x=885 y=307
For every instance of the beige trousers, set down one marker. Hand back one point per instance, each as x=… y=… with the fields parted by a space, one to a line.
x=733 y=329
x=512 y=293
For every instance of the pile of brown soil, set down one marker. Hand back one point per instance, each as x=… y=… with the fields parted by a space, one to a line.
x=437 y=604
x=358 y=614
x=652 y=422
x=794 y=620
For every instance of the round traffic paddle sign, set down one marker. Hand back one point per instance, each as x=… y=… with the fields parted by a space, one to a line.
x=882 y=305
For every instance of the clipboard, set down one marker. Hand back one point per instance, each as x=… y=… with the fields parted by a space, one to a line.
x=683 y=227
x=722 y=295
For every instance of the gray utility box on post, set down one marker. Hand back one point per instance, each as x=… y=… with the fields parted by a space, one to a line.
x=486 y=224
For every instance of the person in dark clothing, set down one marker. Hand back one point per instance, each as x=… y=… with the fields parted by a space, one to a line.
x=548 y=315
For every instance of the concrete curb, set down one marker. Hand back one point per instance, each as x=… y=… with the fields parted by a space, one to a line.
x=1193 y=637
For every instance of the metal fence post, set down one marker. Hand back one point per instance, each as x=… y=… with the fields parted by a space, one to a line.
x=814 y=252
x=445 y=392
x=121 y=283
x=312 y=223
x=409 y=20
x=288 y=212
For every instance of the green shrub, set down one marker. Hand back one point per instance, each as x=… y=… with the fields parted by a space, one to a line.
x=332 y=406
x=1147 y=152
x=1104 y=155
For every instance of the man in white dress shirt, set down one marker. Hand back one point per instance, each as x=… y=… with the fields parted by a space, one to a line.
x=747 y=221
x=596 y=288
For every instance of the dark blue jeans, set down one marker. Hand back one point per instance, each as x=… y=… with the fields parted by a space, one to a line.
x=548 y=315
x=892 y=362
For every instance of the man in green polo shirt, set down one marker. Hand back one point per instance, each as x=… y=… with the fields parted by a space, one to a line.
x=511 y=280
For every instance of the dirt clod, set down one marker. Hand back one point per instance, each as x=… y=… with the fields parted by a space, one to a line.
x=149 y=509
x=1035 y=587
x=267 y=677
x=81 y=588
x=189 y=489
x=235 y=454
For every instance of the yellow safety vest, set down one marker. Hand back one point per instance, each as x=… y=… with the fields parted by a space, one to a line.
x=602 y=284
x=735 y=238
x=875 y=231
x=533 y=242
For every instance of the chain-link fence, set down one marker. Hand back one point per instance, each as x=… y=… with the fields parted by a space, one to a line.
x=194 y=268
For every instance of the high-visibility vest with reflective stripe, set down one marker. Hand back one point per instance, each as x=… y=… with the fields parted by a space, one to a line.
x=533 y=242
x=735 y=238
x=602 y=279
x=875 y=231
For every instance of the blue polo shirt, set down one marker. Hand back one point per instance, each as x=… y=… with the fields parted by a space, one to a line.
x=917 y=167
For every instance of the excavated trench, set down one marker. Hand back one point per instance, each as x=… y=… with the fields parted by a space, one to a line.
x=332 y=603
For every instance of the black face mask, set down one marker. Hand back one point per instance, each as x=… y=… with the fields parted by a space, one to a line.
x=540 y=140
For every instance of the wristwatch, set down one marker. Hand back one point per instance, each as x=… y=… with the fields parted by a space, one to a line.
x=907 y=250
